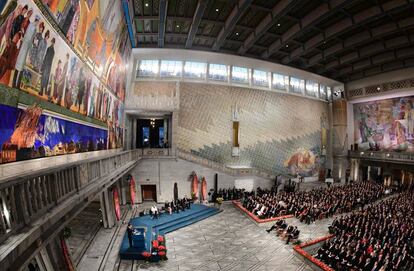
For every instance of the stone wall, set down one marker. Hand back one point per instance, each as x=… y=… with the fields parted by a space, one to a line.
x=279 y=133
x=164 y=172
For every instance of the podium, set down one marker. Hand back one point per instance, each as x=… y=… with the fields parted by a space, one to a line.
x=138 y=238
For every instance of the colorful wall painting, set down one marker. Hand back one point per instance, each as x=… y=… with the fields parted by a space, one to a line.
x=30 y=133
x=385 y=124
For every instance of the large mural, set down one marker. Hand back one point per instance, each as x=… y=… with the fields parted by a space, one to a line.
x=385 y=124
x=279 y=133
x=28 y=133
x=97 y=31
x=87 y=78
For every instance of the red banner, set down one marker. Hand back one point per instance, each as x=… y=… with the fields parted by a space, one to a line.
x=116 y=204
x=132 y=189
x=204 y=188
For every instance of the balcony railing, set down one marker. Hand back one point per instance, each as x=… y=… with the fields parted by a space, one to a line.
x=391 y=156
x=26 y=197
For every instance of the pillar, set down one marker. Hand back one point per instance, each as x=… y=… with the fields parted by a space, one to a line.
x=124 y=184
x=107 y=208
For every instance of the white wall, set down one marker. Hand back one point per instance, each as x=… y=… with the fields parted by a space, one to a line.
x=164 y=172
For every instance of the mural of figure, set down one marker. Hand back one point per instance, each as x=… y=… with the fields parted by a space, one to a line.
x=4 y=14
x=24 y=50
x=6 y=26
x=399 y=133
x=73 y=26
x=46 y=67
x=61 y=82
x=58 y=77
x=69 y=15
x=26 y=21
x=9 y=55
x=409 y=116
x=91 y=30
x=17 y=22
x=81 y=89
x=39 y=47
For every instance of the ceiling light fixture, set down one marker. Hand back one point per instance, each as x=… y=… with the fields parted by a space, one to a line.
x=146 y=4
x=278 y=24
x=287 y=45
x=217 y=10
x=178 y=26
x=237 y=33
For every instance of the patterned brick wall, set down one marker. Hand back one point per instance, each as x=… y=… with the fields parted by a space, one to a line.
x=273 y=127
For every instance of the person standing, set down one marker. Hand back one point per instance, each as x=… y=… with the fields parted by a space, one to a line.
x=46 y=67
x=130 y=231
x=61 y=82
x=24 y=50
x=81 y=89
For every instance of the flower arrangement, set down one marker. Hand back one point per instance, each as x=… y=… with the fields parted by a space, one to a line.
x=155 y=244
x=160 y=239
x=163 y=255
x=146 y=255
x=219 y=200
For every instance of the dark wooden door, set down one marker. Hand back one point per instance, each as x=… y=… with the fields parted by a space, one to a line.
x=149 y=192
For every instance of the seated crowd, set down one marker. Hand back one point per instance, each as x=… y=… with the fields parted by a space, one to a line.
x=379 y=238
x=309 y=206
x=229 y=193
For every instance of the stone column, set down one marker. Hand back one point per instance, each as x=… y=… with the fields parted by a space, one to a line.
x=107 y=209
x=124 y=185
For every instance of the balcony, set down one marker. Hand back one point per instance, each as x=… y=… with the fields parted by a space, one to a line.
x=404 y=158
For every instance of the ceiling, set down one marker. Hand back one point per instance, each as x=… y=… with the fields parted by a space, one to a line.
x=341 y=39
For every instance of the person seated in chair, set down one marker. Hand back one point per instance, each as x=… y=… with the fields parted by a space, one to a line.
x=276 y=225
x=168 y=207
x=174 y=207
x=154 y=211
x=294 y=234
x=282 y=228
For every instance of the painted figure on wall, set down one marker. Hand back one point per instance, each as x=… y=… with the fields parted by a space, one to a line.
x=385 y=124
x=24 y=50
x=303 y=162
x=34 y=59
x=46 y=68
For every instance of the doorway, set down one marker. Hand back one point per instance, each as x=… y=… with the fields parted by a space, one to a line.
x=149 y=193
x=152 y=133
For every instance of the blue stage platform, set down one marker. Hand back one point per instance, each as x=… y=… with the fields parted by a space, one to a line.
x=164 y=224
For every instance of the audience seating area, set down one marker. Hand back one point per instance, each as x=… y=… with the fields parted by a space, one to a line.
x=309 y=206
x=379 y=238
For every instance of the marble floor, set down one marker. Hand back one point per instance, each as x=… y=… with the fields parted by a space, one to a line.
x=227 y=241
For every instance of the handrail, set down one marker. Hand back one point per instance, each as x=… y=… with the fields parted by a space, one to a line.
x=386 y=156
x=28 y=196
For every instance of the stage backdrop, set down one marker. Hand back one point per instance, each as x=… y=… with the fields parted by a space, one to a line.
x=385 y=124
x=72 y=54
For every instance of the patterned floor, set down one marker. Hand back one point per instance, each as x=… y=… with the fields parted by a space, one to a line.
x=227 y=241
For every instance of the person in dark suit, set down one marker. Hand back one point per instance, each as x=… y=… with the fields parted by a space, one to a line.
x=292 y=235
x=46 y=68
x=130 y=231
